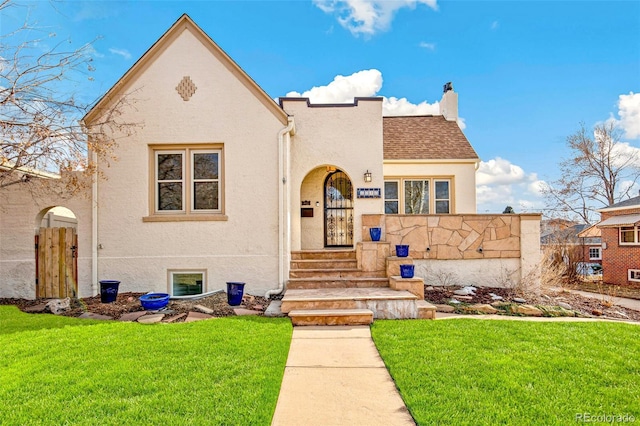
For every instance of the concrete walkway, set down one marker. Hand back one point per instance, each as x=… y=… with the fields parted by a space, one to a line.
x=335 y=376
x=618 y=301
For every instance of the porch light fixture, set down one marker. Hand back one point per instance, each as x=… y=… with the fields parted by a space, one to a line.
x=367 y=176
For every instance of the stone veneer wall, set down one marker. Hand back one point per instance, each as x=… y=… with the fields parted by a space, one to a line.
x=468 y=249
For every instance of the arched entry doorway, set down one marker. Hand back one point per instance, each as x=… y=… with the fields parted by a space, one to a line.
x=56 y=243
x=338 y=210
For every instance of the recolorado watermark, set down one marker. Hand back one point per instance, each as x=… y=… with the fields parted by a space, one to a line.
x=604 y=418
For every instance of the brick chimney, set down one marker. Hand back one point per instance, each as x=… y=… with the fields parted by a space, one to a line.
x=449 y=103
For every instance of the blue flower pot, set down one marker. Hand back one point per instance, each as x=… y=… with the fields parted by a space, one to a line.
x=406 y=271
x=375 y=233
x=235 y=291
x=108 y=291
x=402 y=250
x=154 y=301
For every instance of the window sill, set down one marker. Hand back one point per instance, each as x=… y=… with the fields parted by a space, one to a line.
x=186 y=218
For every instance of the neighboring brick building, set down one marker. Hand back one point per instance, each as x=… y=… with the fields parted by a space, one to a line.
x=620 y=226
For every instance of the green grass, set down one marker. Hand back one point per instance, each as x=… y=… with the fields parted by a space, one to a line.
x=512 y=372
x=56 y=370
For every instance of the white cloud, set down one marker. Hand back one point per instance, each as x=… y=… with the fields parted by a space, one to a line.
x=500 y=183
x=623 y=153
x=368 y=16
x=629 y=112
x=364 y=84
x=343 y=89
x=91 y=51
x=395 y=106
x=428 y=46
x=121 y=52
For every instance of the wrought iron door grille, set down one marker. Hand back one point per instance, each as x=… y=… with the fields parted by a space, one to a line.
x=338 y=210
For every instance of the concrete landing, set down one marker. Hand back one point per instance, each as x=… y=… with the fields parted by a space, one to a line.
x=335 y=376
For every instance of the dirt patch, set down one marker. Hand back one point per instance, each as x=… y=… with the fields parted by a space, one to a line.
x=584 y=306
x=129 y=302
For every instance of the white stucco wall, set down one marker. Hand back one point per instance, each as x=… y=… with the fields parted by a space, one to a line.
x=348 y=137
x=530 y=253
x=462 y=175
x=225 y=111
x=20 y=216
x=504 y=273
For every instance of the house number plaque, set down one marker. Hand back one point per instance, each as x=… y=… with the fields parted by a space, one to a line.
x=369 y=192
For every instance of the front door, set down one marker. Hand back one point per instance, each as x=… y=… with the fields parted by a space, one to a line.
x=338 y=210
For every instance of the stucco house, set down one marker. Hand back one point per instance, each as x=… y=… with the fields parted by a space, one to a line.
x=224 y=184
x=620 y=232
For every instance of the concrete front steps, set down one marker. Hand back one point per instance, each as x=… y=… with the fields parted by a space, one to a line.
x=326 y=288
x=352 y=306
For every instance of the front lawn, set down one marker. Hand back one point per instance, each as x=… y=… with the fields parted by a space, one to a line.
x=70 y=371
x=512 y=372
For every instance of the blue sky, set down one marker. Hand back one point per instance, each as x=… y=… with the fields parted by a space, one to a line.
x=527 y=72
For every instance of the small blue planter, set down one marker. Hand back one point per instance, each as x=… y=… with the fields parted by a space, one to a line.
x=154 y=301
x=375 y=233
x=402 y=250
x=235 y=291
x=406 y=271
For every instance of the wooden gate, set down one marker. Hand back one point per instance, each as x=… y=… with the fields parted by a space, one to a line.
x=57 y=263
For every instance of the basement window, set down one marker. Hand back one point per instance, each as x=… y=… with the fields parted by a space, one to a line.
x=634 y=275
x=187 y=283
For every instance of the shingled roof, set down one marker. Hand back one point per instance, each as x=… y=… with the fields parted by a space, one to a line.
x=424 y=137
x=630 y=203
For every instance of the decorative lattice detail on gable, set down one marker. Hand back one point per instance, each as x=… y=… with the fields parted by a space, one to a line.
x=186 y=88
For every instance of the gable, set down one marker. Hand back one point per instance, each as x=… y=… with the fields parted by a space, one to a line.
x=425 y=138
x=182 y=25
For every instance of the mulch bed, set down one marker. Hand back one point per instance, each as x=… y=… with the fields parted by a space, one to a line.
x=129 y=302
x=585 y=306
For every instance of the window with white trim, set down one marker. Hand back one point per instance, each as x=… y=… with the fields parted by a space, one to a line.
x=595 y=253
x=391 y=197
x=418 y=196
x=187 y=283
x=187 y=181
x=629 y=235
x=634 y=274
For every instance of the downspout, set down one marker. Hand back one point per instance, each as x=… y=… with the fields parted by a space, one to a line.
x=283 y=200
x=94 y=226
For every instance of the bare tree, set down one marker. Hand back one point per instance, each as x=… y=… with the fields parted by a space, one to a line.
x=599 y=172
x=41 y=129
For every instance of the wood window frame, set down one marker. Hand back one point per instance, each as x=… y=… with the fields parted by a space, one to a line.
x=396 y=200
x=187 y=213
x=635 y=230
x=400 y=181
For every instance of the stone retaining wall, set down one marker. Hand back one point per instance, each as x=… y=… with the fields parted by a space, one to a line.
x=491 y=250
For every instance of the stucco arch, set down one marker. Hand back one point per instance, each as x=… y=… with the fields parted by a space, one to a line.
x=56 y=217
x=311 y=197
